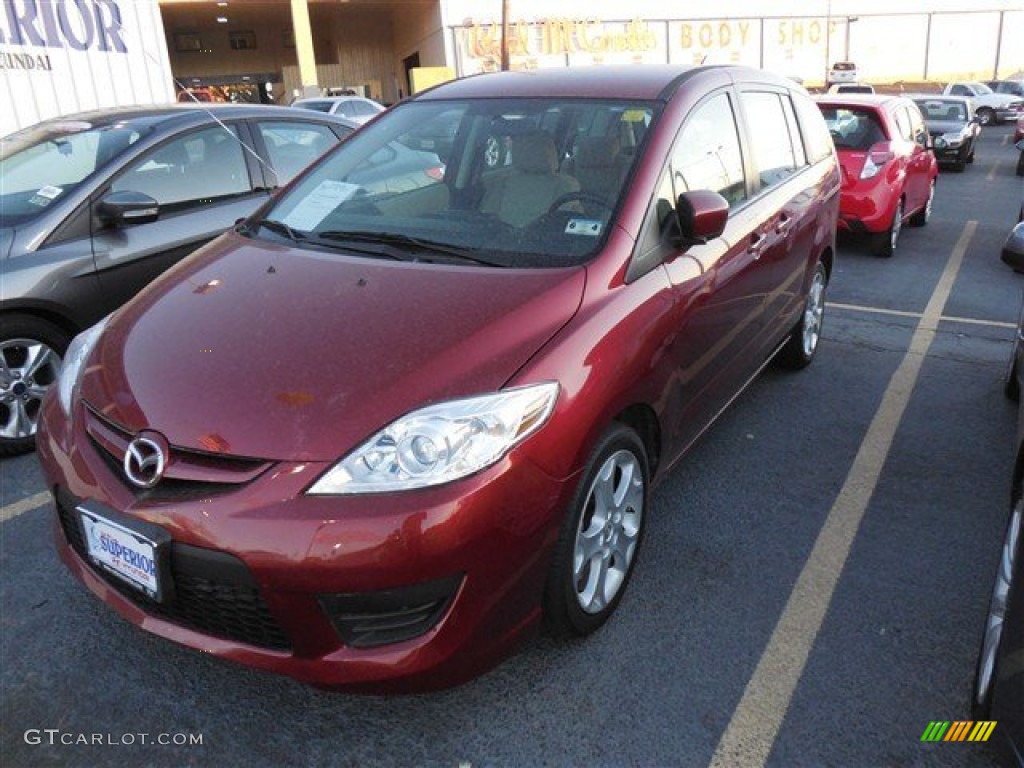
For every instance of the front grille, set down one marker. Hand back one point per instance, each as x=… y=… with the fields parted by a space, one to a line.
x=213 y=592
x=190 y=474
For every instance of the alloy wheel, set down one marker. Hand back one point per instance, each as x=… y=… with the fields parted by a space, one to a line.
x=814 y=312
x=608 y=531
x=27 y=370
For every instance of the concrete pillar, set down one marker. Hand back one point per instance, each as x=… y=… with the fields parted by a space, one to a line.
x=304 y=48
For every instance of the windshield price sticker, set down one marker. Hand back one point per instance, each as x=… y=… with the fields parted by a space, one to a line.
x=45 y=196
x=320 y=204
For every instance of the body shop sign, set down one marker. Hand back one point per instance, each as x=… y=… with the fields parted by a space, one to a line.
x=31 y=29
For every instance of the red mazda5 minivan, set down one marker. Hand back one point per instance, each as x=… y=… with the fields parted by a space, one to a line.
x=403 y=417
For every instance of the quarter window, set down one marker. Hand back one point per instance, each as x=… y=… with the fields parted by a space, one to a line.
x=707 y=154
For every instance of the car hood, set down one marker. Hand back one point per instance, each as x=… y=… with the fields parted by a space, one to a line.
x=260 y=350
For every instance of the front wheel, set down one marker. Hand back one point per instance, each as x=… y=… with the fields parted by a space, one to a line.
x=802 y=344
x=986 y=116
x=30 y=360
x=600 y=536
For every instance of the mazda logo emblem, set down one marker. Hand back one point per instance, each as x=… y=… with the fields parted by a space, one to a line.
x=145 y=461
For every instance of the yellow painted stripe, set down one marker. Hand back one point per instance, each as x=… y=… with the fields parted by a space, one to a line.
x=990 y=726
x=751 y=732
x=976 y=730
x=22 y=506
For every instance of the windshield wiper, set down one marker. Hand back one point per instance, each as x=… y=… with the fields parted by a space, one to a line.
x=406 y=241
x=280 y=228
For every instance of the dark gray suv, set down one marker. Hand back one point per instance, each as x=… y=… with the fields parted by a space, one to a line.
x=94 y=206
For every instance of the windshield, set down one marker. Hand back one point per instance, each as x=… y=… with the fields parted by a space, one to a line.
x=40 y=164
x=509 y=182
x=938 y=109
x=982 y=89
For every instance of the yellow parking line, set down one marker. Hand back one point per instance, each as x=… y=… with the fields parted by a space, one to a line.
x=748 y=739
x=902 y=313
x=24 y=505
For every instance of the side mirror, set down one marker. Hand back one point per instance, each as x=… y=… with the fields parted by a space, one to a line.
x=702 y=215
x=1013 y=249
x=127 y=208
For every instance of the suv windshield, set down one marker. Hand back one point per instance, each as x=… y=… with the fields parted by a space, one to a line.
x=509 y=182
x=40 y=164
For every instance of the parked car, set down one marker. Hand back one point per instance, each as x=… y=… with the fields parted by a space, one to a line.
x=842 y=72
x=998 y=692
x=353 y=107
x=990 y=106
x=94 y=206
x=403 y=430
x=851 y=88
x=889 y=170
x=953 y=128
x=1012 y=87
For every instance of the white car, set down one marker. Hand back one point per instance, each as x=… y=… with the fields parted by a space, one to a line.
x=353 y=107
x=851 y=88
x=842 y=72
x=991 y=107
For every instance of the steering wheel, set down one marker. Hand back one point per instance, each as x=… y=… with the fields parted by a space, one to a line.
x=583 y=197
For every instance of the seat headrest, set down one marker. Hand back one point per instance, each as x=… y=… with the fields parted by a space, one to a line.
x=598 y=152
x=534 y=153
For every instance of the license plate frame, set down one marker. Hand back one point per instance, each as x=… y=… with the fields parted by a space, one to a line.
x=124 y=547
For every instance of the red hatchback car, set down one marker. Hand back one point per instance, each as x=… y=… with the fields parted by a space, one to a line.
x=376 y=435
x=889 y=169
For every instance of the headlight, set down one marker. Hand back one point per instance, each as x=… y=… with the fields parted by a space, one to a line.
x=78 y=350
x=441 y=443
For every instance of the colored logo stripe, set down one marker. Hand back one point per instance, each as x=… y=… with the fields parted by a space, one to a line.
x=960 y=730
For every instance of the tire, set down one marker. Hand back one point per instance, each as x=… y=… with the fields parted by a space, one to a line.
x=31 y=350
x=988 y=653
x=578 y=599
x=802 y=345
x=986 y=116
x=885 y=242
x=923 y=216
x=1020 y=164
x=1011 y=387
x=970 y=155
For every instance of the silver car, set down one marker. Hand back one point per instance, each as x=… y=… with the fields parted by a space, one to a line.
x=94 y=206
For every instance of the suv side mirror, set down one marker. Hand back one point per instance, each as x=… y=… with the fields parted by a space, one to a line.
x=702 y=215
x=127 y=208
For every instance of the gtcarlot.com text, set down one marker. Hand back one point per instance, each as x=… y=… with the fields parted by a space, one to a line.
x=55 y=736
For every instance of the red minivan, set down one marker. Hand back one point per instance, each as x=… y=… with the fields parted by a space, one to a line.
x=889 y=169
x=378 y=434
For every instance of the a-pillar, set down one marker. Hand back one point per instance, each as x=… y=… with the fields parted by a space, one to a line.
x=304 y=48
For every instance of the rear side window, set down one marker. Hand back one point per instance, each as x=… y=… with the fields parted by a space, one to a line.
x=707 y=154
x=769 y=135
x=817 y=140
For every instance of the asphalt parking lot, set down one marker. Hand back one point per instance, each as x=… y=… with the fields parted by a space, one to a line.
x=811 y=590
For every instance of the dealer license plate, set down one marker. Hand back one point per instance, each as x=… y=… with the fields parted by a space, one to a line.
x=123 y=552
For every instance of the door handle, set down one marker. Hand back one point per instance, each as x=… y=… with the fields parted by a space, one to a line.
x=757 y=244
x=783 y=224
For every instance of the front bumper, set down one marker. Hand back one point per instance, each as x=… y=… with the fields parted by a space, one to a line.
x=257 y=569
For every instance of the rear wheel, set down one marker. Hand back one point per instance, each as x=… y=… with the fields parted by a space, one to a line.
x=885 y=242
x=30 y=360
x=803 y=340
x=600 y=536
x=986 y=116
x=922 y=217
